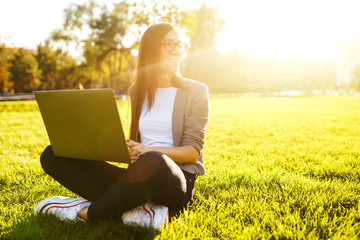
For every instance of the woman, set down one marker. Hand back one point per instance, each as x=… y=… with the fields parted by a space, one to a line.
x=169 y=117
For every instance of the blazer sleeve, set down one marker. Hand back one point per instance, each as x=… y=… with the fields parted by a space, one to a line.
x=197 y=117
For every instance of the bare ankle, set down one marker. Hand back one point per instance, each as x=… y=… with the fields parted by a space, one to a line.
x=83 y=213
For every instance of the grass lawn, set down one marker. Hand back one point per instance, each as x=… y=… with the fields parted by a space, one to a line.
x=278 y=168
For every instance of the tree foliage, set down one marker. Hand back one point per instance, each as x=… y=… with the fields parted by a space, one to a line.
x=207 y=27
x=234 y=72
x=106 y=39
x=352 y=53
x=25 y=75
x=58 y=69
x=47 y=59
x=5 y=64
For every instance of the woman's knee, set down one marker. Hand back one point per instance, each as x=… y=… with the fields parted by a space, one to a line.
x=153 y=159
x=46 y=158
x=150 y=164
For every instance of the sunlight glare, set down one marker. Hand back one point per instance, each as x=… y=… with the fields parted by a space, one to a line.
x=284 y=29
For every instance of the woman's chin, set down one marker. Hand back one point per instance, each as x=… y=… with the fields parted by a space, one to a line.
x=169 y=68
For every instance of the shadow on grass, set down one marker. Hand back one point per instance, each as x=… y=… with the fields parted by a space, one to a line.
x=49 y=227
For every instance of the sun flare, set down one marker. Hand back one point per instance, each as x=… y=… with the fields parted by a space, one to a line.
x=284 y=29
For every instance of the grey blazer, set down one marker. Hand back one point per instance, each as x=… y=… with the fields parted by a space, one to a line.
x=189 y=119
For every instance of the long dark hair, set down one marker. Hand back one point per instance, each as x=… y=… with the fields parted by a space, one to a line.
x=147 y=73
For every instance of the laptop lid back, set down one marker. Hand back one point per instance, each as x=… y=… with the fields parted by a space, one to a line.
x=84 y=124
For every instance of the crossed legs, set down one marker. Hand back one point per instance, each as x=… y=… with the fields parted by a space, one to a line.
x=113 y=190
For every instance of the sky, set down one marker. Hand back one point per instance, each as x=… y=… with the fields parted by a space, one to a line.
x=27 y=23
x=282 y=28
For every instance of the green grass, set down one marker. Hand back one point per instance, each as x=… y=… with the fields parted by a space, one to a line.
x=276 y=169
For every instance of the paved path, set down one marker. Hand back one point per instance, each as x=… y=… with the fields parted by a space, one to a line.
x=17 y=97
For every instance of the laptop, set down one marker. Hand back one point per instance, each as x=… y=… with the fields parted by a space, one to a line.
x=84 y=124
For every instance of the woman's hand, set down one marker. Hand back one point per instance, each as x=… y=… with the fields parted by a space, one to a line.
x=181 y=154
x=136 y=149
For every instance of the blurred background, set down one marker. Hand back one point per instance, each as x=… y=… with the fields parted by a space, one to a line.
x=293 y=47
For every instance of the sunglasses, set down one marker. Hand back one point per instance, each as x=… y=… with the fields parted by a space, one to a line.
x=170 y=45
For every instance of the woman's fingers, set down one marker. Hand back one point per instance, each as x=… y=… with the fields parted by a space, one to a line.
x=134 y=158
x=133 y=152
x=131 y=143
x=135 y=148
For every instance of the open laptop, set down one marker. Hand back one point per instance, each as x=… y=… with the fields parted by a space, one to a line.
x=84 y=124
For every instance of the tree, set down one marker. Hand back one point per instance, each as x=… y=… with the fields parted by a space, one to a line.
x=350 y=53
x=25 y=74
x=4 y=69
x=58 y=69
x=46 y=59
x=203 y=61
x=355 y=80
x=208 y=25
x=111 y=36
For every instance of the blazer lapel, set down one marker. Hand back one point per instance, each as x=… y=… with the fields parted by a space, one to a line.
x=178 y=115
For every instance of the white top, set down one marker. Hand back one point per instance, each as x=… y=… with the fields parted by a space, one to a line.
x=155 y=126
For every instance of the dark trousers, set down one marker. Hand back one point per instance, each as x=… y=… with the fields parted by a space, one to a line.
x=113 y=190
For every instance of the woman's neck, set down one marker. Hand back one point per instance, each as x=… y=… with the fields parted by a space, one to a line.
x=165 y=81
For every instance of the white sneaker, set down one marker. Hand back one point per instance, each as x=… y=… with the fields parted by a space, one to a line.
x=147 y=215
x=64 y=208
